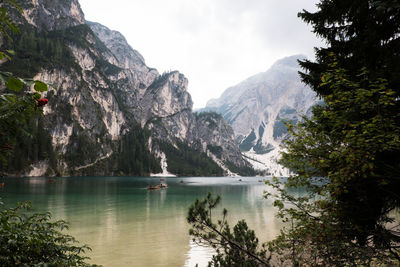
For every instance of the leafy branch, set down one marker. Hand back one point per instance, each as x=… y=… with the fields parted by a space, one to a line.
x=239 y=247
x=28 y=238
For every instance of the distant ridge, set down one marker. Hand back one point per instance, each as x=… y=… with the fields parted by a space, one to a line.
x=257 y=107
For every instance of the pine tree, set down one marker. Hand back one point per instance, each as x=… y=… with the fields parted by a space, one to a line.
x=352 y=145
x=361 y=33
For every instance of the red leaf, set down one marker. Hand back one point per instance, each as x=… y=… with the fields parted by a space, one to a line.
x=42 y=102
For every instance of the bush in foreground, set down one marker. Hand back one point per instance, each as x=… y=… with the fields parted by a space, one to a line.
x=31 y=239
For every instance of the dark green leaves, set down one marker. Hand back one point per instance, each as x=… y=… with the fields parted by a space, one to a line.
x=362 y=33
x=6 y=54
x=37 y=96
x=14 y=84
x=6 y=22
x=347 y=157
x=40 y=86
x=32 y=239
x=237 y=248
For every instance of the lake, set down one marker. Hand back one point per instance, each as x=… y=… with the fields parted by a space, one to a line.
x=127 y=225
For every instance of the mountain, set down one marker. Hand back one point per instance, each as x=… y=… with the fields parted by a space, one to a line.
x=257 y=108
x=110 y=113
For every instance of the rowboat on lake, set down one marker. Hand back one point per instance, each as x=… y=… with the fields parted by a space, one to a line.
x=159 y=186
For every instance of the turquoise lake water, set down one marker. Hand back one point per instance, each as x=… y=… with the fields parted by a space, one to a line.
x=128 y=225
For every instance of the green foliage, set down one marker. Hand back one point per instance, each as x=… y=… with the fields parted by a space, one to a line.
x=243 y=171
x=134 y=157
x=40 y=86
x=41 y=49
x=314 y=236
x=32 y=144
x=130 y=156
x=14 y=84
x=233 y=248
x=82 y=147
x=16 y=106
x=347 y=157
x=186 y=161
x=7 y=23
x=15 y=112
x=361 y=33
x=216 y=150
x=31 y=239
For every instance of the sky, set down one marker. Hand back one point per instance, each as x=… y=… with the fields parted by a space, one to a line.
x=214 y=43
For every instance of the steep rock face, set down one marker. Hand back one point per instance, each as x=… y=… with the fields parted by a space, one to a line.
x=257 y=107
x=51 y=15
x=168 y=106
x=121 y=54
x=83 y=115
x=169 y=116
x=163 y=106
x=217 y=137
x=109 y=108
x=126 y=57
x=132 y=78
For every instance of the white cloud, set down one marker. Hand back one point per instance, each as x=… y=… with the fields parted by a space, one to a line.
x=215 y=43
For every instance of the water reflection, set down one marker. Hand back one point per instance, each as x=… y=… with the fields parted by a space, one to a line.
x=127 y=225
x=198 y=255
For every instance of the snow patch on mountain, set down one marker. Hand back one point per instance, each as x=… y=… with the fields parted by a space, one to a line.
x=258 y=108
x=267 y=162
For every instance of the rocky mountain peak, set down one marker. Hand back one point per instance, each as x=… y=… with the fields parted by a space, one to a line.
x=51 y=15
x=291 y=61
x=126 y=56
x=257 y=108
x=167 y=95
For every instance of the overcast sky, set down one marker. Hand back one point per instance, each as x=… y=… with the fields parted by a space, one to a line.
x=214 y=43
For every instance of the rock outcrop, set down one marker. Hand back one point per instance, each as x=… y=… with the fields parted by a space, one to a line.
x=49 y=15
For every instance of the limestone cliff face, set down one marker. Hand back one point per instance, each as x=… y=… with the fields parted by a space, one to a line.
x=257 y=108
x=51 y=15
x=163 y=104
x=107 y=99
x=217 y=137
x=170 y=117
x=125 y=56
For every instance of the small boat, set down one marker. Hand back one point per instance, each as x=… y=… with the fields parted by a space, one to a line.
x=2 y=185
x=51 y=180
x=181 y=181
x=159 y=186
x=153 y=187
